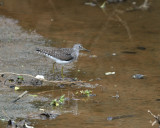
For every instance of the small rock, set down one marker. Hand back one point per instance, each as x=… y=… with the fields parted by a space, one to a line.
x=40 y=77
x=138 y=76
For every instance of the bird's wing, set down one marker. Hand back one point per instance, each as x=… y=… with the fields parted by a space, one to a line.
x=63 y=54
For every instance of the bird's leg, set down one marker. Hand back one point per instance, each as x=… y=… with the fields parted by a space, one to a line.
x=62 y=72
x=53 y=66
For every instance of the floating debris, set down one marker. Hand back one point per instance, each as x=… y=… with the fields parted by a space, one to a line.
x=157 y=118
x=116 y=96
x=118 y=117
x=90 y=4
x=138 y=76
x=110 y=73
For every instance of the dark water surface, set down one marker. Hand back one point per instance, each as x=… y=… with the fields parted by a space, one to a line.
x=125 y=42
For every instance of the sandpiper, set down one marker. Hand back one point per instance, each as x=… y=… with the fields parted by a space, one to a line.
x=63 y=55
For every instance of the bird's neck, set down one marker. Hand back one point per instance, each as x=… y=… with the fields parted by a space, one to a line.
x=76 y=52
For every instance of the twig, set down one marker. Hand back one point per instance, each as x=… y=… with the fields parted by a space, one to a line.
x=56 y=81
x=17 y=74
x=156 y=117
x=20 y=96
x=119 y=19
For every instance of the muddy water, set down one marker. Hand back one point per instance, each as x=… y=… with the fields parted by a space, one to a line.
x=113 y=35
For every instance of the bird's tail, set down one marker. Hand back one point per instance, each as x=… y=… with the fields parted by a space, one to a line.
x=42 y=52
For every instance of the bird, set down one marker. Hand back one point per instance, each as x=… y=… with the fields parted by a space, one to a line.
x=62 y=55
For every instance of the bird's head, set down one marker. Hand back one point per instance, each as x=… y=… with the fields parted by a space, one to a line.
x=79 y=47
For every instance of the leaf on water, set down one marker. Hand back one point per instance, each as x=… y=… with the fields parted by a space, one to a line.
x=58 y=102
x=16 y=88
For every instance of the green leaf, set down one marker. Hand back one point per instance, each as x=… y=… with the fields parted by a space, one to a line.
x=61 y=100
x=20 y=77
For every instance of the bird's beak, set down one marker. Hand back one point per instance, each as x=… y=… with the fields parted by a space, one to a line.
x=86 y=50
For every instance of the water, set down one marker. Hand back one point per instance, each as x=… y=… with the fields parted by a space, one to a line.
x=108 y=34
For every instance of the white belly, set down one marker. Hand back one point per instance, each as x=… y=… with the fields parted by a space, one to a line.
x=57 y=60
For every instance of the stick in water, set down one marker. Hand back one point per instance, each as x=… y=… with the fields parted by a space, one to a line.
x=20 y=96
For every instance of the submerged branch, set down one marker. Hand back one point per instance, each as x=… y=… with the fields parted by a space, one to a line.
x=124 y=24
